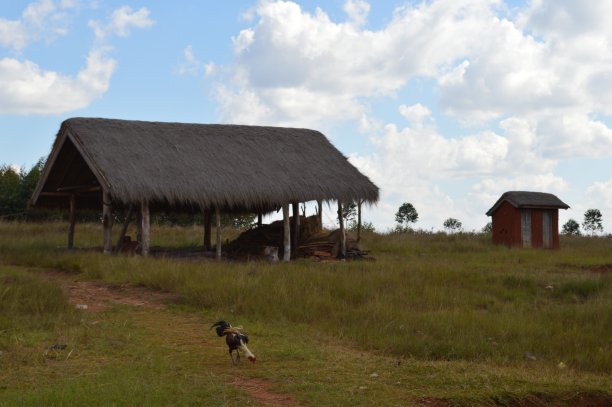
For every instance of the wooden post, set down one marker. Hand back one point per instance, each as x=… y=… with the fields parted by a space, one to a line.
x=145 y=221
x=259 y=220
x=139 y=225
x=342 y=232
x=107 y=221
x=72 y=221
x=218 y=222
x=359 y=203
x=286 y=234
x=320 y=213
x=295 y=229
x=207 y=226
x=124 y=228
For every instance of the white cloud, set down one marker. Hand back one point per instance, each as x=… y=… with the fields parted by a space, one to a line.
x=423 y=152
x=601 y=192
x=191 y=65
x=534 y=84
x=243 y=40
x=415 y=114
x=357 y=11
x=13 y=34
x=121 y=22
x=43 y=19
x=488 y=190
x=27 y=89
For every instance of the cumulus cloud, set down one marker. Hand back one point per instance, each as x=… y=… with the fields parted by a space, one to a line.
x=357 y=11
x=191 y=65
x=121 y=22
x=41 y=19
x=27 y=89
x=290 y=54
x=532 y=84
x=601 y=192
x=410 y=164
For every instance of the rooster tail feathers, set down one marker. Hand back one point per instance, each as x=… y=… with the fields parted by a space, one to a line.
x=221 y=326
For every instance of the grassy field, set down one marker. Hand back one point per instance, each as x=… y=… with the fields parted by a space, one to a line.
x=450 y=319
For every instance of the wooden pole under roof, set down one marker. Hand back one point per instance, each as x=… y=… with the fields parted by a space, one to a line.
x=286 y=234
x=107 y=222
x=71 y=221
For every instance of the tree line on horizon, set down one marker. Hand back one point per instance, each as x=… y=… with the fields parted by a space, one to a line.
x=407 y=215
x=17 y=186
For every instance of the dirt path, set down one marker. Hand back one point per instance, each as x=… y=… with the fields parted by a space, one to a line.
x=97 y=296
x=93 y=296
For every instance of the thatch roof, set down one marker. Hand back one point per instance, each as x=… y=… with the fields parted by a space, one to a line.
x=526 y=199
x=197 y=165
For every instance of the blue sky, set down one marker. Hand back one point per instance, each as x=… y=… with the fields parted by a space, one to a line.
x=445 y=103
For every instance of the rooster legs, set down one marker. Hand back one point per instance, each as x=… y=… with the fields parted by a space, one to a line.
x=237 y=361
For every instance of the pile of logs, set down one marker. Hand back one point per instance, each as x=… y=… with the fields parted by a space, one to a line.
x=314 y=243
x=326 y=246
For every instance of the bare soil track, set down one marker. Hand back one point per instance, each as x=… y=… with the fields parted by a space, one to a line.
x=98 y=296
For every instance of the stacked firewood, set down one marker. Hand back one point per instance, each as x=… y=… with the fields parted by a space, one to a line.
x=314 y=242
x=326 y=246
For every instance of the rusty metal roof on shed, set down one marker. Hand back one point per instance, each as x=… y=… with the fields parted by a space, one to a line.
x=528 y=199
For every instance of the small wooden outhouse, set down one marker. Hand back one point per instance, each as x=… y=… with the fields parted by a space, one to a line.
x=527 y=219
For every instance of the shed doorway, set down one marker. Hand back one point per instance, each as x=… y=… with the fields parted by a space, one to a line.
x=547 y=232
x=526 y=227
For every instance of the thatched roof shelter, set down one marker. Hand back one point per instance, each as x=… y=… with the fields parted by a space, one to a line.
x=179 y=165
x=107 y=163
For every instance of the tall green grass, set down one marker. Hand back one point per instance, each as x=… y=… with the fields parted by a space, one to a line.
x=30 y=308
x=427 y=296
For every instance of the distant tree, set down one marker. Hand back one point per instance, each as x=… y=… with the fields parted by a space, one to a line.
x=571 y=228
x=488 y=228
x=10 y=205
x=365 y=226
x=592 y=221
x=244 y=221
x=453 y=225
x=16 y=188
x=349 y=213
x=406 y=214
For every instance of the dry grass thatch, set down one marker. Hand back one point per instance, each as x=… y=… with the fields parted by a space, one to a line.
x=208 y=165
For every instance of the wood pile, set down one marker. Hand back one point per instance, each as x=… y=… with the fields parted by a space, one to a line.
x=325 y=245
x=314 y=242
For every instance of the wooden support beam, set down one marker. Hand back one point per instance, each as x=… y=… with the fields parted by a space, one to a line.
x=342 y=253
x=71 y=221
x=79 y=188
x=207 y=229
x=295 y=229
x=107 y=221
x=259 y=220
x=124 y=229
x=218 y=223
x=145 y=221
x=139 y=225
x=359 y=203
x=286 y=234
x=320 y=213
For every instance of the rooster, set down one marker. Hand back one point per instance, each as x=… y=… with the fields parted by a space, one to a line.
x=236 y=340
